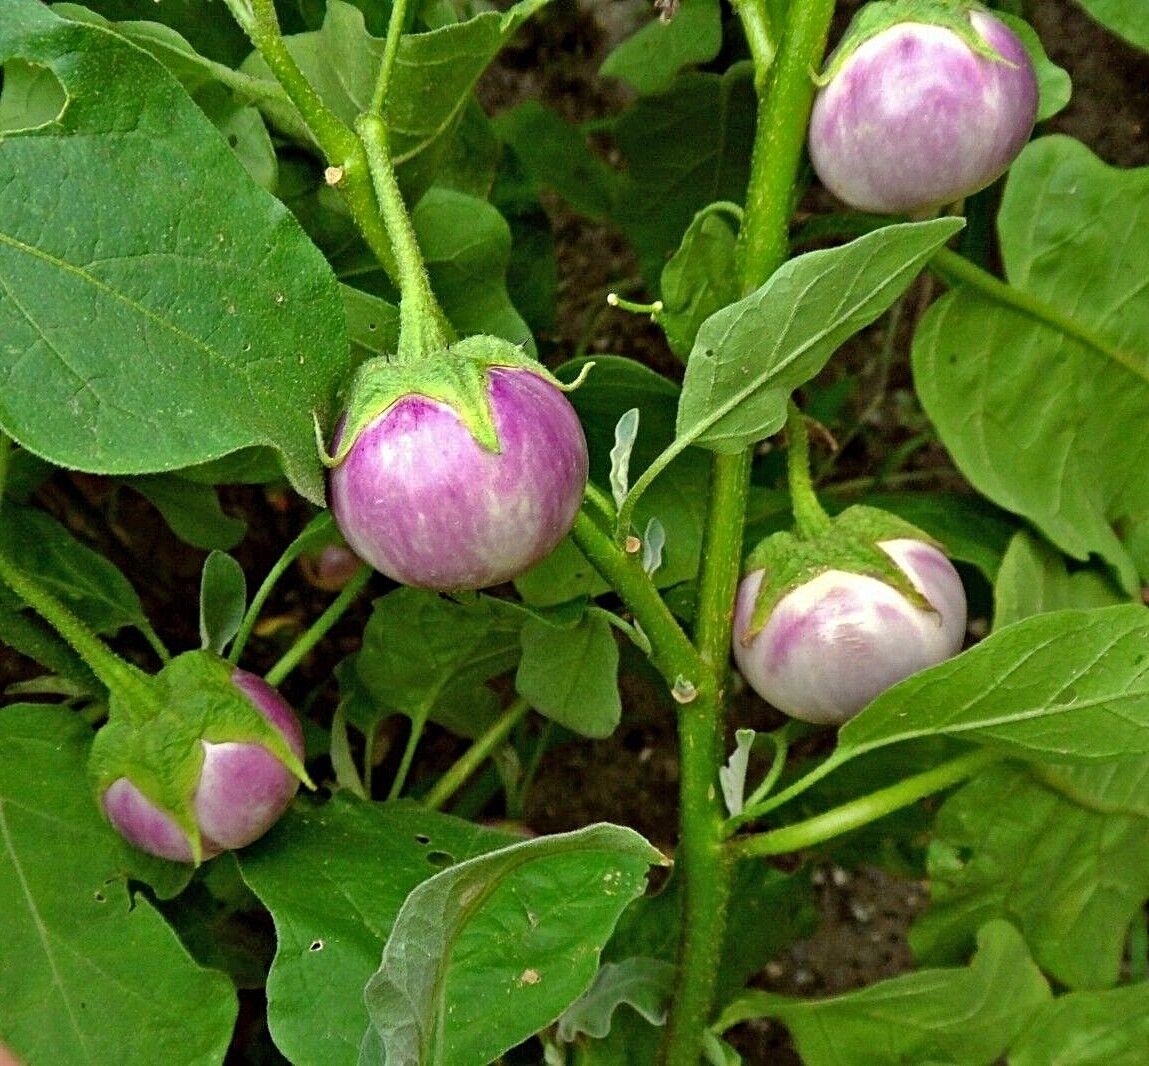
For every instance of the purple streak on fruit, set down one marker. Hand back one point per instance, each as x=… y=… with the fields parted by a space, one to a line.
x=834 y=644
x=916 y=119
x=424 y=503
x=242 y=790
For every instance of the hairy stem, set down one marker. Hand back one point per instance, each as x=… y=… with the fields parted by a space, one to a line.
x=390 y=50
x=786 y=94
x=320 y=627
x=476 y=754
x=861 y=811
x=809 y=515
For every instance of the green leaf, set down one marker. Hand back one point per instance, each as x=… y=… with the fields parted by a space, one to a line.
x=750 y=356
x=1047 y=424
x=25 y=633
x=1070 y=878
x=33 y=96
x=204 y=23
x=432 y=82
x=334 y=878
x=89 y=972
x=700 y=278
x=210 y=323
x=683 y=149
x=1033 y=579
x=642 y=983
x=1054 y=87
x=467 y=245
x=1088 y=1029
x=82 y=579
x=372 y=323
x=192 y=510
x=962 y=1015
x=552 y=153
x=571 y=675
x=490 y=951
x=423 y=655
x=1063 y=686
x=1127 y=18
x=222 y=601
x=649 y=59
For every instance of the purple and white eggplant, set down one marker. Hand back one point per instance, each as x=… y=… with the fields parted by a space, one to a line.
x=202 y=774
x=920 y=110
x=430 y=500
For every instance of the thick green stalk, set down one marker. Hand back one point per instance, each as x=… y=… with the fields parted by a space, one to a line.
x=117 y=676
x=423 y=328
x=763 y=246
x=474 y=757
x=320 y=627
x=861 y=811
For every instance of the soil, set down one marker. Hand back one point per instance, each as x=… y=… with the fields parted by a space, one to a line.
x=631 y=777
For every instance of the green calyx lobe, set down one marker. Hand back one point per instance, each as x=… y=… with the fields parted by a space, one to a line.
x=456 y=376
x=848 y=544
x=881 y=15
x=159 y=747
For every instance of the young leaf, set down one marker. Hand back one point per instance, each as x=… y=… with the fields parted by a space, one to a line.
x=732 y=776
x=750 y=356
x=1044 y=417
x=1064 y=686
x=222 y=601
x=961 y=1015
x=625 y=433
x=653 y=541
x=82 y=579
x=89 y=972
x=571 y=676
x=649 y=59
x=1033 y=579
x=210 y=323
x=642 y=983
x=1071 y=877
x=334 y=878
x=490 y=951
x=1088 y=1029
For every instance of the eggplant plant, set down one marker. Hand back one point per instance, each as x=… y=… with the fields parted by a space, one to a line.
x=866 y=524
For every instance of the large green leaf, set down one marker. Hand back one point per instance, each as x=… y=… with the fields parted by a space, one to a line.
x=1063 y=686
x=1088 y=1029
x=1071 y=877
x=433 y=77
x=1045 y=423
x=157 y=308
x=1127 y=18
x=492 y=950
x=751 y=355
x=966 y=1016
x=334 y=878
x=89 y=972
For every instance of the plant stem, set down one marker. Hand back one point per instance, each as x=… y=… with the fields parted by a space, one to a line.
x=335 y=139
x=759 y=33
x=476 y=754
x=863 y=810
x=809 y=515
x=413 y=738
x=671 y=651
x=786 y=94
x=763 y=241
x=423 y=328
x=780 y=738
x=319 y=628
x=753 y=811
x=390 y=51
x=118 y=676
